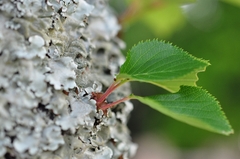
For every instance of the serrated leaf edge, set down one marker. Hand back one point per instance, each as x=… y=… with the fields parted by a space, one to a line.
x=121 y=76
x=210 y=128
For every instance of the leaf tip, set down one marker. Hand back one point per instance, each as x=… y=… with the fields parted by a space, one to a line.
x=227 y=133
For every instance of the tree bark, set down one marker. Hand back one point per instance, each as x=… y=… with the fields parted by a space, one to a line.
x=53 y=55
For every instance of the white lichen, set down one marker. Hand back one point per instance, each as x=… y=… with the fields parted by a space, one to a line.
x=53 y=55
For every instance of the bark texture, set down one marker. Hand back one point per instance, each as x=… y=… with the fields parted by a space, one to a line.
x=53 y=54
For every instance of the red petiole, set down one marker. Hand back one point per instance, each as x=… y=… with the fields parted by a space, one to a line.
x=108 y=92
x=101 y=97
x=110 y=105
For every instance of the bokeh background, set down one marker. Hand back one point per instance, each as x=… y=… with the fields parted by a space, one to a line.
x=208 y=29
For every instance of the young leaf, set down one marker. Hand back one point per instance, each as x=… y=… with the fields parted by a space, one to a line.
x=161 y=64
x=193 y=106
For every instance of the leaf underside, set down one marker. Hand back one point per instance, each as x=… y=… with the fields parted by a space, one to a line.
x=193 y=106
x=161 y=64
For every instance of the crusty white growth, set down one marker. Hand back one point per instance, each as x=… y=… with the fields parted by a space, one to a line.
x=53 y=55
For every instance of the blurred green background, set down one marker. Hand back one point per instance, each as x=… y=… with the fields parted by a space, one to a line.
x=208 y=29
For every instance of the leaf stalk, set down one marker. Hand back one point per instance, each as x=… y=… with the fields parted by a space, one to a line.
x=110 y=89
x=110 y=105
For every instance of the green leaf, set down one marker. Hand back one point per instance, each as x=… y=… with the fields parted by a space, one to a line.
x=161 y=64
x=193 y=106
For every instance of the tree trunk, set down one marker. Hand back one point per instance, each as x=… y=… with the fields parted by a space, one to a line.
x=54 y=54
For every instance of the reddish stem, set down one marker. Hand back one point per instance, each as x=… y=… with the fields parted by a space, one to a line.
x=101 y=97
x=110 y=89
x=110 y=105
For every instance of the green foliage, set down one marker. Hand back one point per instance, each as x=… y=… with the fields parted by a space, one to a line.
x=234 y=2
x=171 y=68
x=162 y=17
x=161 y=64
x=193 y=106
x=218 y=44
x=161 y=24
